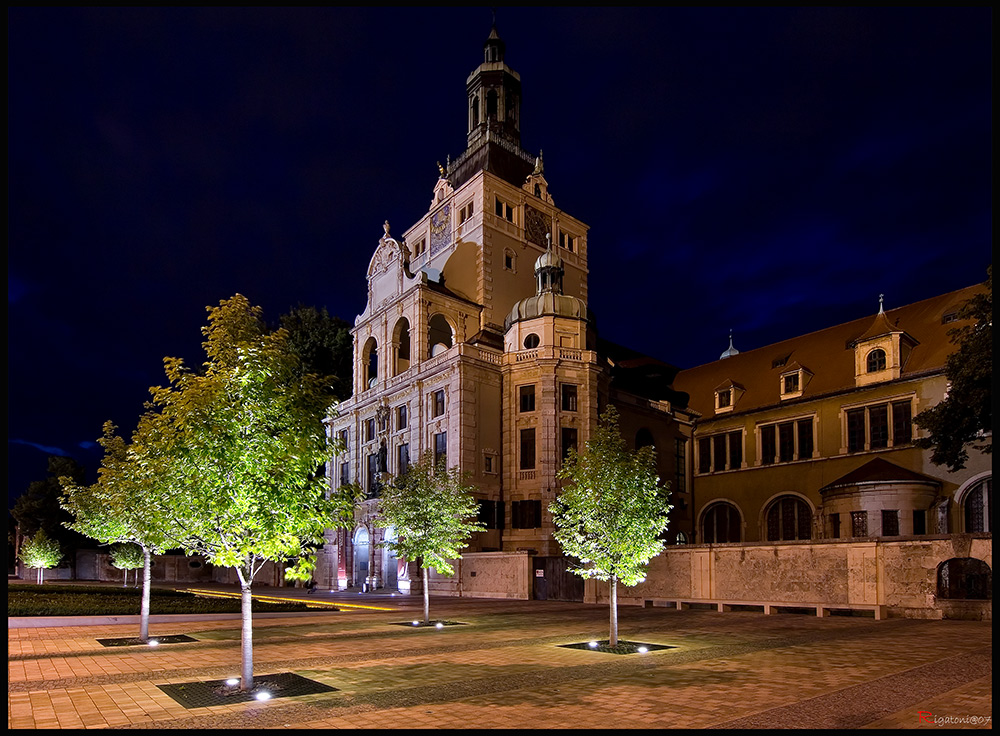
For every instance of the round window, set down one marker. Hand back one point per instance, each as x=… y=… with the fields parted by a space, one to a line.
x=194 y=564
x=531 y=341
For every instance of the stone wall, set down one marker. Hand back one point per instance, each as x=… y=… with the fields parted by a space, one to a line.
x=900 y=575
x=486 y=575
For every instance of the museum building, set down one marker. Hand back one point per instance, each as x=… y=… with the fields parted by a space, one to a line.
x=476 y=346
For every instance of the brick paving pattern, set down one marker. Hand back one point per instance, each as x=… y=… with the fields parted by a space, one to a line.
x=506 y=668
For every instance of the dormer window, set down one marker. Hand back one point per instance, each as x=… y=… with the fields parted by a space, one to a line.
x=726 y=396
x=790 y=383
x=794 y=380
x=875 y=361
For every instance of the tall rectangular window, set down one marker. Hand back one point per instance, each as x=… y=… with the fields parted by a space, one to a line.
x=528 y=449
x=835 y=525
x=369 y=430
x=441 y=448
x=878 y=426
x=568 y=397
x=401 y=417
x=855 y=430
x=859 y=523
x=919 y=521
x=527 y=396
x=373 y=483
x=403 y=458
x=786 y=442
x=343 y=439
x=704 y=455
x=767 y=444
x=568 y=440
x=680 y=465
x=890 y=523
x=902 y=423
x=345 y=473
x=719 y=447
x=805 y=429
x=735 y=450
x=438 y=405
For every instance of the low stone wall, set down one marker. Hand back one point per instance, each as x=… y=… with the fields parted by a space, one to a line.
x=484 y=575
x=900 y=574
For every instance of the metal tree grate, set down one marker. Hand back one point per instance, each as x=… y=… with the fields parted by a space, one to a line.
x=217 y=692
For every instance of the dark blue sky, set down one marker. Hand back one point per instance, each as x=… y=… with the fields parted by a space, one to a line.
x=766 y=170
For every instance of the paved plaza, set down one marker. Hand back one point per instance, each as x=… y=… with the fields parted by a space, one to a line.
x=503 y=667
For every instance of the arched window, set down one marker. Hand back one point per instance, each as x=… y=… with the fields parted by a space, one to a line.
x=721 y=523
x=978 y=504
x=401 y=344
x=965 y=578
x=876 y=360
x=475 y=111
x=369 y=362
x=492 y=104
x=788 y=517
x=439 y=335
x=643 y=438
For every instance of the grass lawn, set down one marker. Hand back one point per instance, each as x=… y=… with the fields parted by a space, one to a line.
x=81 y=600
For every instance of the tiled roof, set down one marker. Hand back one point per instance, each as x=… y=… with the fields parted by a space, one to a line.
x=829 y=355
x=880 y=470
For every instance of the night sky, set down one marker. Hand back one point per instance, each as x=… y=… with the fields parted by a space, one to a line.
x=769 y=171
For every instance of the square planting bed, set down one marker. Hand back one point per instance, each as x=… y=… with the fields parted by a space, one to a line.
x=135 y=641
x=217 y=692
x=431 y=625
x=623 y=647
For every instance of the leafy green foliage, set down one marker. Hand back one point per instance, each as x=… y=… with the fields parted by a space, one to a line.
x=246 y=437
x=40 y=552
x=126 y=556
x=964 y=418
x=433 y=512
x=324 y=346
x=610 y=512
x=38 y=508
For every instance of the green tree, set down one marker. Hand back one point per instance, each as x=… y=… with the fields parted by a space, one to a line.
x=324 y=345
x=40 y=552
x=964 y=418
x=611 y=512
x=247 y=437
x=433 y=512
x=38 y=508
x=128 y=505
x=126 y=557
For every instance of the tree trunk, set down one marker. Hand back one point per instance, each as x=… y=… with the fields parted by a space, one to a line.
x=427 y=596
x=246 y=648
x=147 y=580
x=41 y=575
x=125 y=581
x=613 y=638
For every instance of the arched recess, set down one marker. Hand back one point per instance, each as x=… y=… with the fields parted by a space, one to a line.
x=976 y=503
x=440 y=334
x=964 y=578
x=390 y=563
x=644 y=438
x=787 y=516
x=401 y=345
x=361 y=551
x=721 y=522
x=369 y=363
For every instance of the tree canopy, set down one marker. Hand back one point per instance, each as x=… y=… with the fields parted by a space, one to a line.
x=246 y=437
x=324 y=346
x=40 y=552
x=964 y=418
x=611 y=512
x=433 y=513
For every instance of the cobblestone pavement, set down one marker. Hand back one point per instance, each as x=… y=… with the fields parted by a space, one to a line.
x=505 y=669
